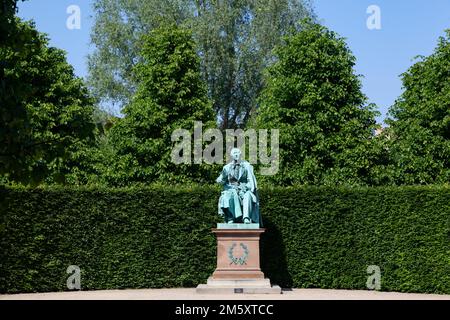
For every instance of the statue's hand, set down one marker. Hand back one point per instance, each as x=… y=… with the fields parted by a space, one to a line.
x=219 y=179
x=243 y=187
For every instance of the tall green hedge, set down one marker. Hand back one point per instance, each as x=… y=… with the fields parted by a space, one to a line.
x=160 y=237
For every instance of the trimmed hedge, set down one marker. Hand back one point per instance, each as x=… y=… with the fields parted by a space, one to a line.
x=160 y=237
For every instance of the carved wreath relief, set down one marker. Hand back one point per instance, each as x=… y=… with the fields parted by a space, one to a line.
x=238 y=260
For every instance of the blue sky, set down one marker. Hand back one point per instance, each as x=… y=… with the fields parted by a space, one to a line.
x=408 y=28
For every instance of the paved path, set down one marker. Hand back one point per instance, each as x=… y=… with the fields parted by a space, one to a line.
x=189 y=294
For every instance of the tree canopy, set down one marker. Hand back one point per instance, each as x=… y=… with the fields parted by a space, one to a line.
x=45 y=108
x=314 y=98
x=419 y=121
x=169 y=64
x=234 y=40
x=8 y=9
x=171 y=95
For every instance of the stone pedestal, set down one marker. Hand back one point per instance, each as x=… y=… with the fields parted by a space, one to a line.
x=238 y=262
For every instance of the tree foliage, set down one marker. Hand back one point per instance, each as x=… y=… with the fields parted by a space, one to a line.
x=234 y=40
x=8 y=9
x=314 y=98
x=170 y=96
x=45 y=108
x=420 y=121
x=90 y=161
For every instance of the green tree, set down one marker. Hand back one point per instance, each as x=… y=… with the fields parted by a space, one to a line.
x=117 y=34
x=8 y=9
x=170 y=96
x=45 y=108
x=90 y=161
x=419 y=132
x=234 y=40
x=314 y=98
x=8 y=108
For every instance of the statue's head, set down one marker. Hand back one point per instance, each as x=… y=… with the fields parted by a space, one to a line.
x=235 y=154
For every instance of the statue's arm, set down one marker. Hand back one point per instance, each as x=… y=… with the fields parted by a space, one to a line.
x=222 y=179
x=246 y=186
x=250 y=185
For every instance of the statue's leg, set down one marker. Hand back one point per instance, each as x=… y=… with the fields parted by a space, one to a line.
x=229 y=210
x=220 y=210
x=233 y=209
x=237 y=212
x=247 y=206
x=228 y=216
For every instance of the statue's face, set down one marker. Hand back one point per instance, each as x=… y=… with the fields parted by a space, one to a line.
x=236 y=154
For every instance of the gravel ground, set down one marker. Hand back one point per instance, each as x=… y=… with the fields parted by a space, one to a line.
x=190 y=294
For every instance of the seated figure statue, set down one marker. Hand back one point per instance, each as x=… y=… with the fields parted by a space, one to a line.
x=239 y=201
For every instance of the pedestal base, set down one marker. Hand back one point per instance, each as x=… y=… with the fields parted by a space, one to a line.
x=258 y=286
x=238 y=266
